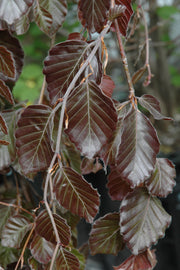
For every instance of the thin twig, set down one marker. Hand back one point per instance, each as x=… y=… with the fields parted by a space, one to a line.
x=17 y=206
x=96 y=45
x=42 y=91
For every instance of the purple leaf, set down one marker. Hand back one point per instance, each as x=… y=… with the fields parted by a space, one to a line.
x=75 y=194
x=161 y=182
x=143 y=220
x=66 y=260
x=105 y=235
x=7 y=66
x=5 y=92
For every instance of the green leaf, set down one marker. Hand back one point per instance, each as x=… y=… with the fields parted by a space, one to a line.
x=14 y=231
x=161 y=182
x=92 y=118
x=143 y=220
x=105 y=235
x=45 y=228
x=165 y=12
x=33 y=138
x=75 y=194
x=8 y=255
x=41 y=249
x=5 y=213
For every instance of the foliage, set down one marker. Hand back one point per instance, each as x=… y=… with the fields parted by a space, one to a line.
x=74 y=123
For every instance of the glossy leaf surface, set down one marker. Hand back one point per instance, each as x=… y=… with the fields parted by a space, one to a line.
x=33 y=138
x=12 y=10
x=15 y=230
x=75 y=194
x=66 y=260
x=105 y=235
x=50 y=14
x=153 y=106
x=92 y=118
x=93 y=14
x=161 y=182
x=63 y=62
x=41 y=249
x=138 y=149
x=118 y=188
x=124 y=18
x=143 y=220
x=7 y=66
x=138 y=262
x=45 y=229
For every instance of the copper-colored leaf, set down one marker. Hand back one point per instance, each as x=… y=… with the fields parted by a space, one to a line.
x=33 y=138
x=13 y=45
x=5 y=92
x=161 y=182
x=139 y=262
x=90 y=165
x=143 y=220
x=45 y=228
x=138 y=149
x=125 y=16
x=41 y=249
x=107 y=85
x=138 y=74
x=12 y=10
x=105 y=235
x=75 y=194
x=3 y=125
x=118 y=188
x=50 y=15
x=7 y=66
x=63 y=62
x=92 y=118
x=153 y=106
x=14 y=231
x=93 y=14
x=66 y=260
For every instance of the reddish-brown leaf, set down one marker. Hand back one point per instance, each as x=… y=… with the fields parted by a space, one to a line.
x=161 y=182
x=105 y=235
x=41 y=249
x=139 y=147
x=75 y=194
x=138 y=74
x=116 y=12
x=143 y=220
x=12 y=10
x=118 y=188
x=33 y=138
x=12 y=44
x=3 y=125
x=90 y=165
x=45 y=228
x=66 y=260
x=34 y=265
x=92 y=118
x=7 y=66
x=153 y=106
x=5 y=92
x=107 y=85
x=93 y=14
x=139 y=262
x=124 y=17
x=63 y=62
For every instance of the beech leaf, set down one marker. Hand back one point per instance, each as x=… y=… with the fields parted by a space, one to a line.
x=161 y=182
x=138 y=74
x=124 y=17
x=7 y=66
x=50 y=15
x=92 y=118
x=143 y=220
x=63 y=62
x=12 y=10
x=93 y=14
x=75 y=194
x=5 y=213
x=107 y=85
x=105 y=235
x=139 y=262
x=3 y=125
x=33 y=138
x=66 y=260
x=118 y=188
x=153 y=106
x=45 y=228
x=14 y=231
x=5 y=92
x=34 y=265
x=139 y=147
x=41 y=249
